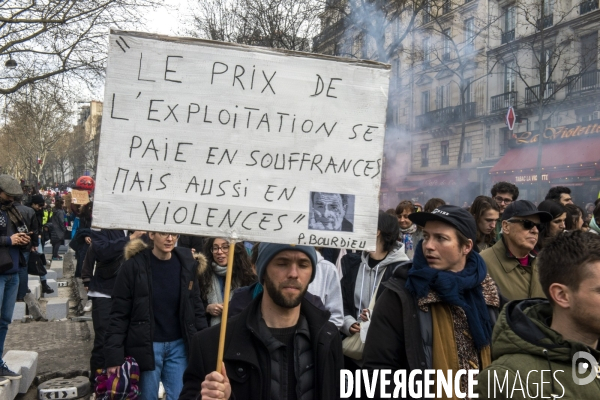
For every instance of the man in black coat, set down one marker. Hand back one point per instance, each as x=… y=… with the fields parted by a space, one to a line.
x=156 y=309
x=280 y=347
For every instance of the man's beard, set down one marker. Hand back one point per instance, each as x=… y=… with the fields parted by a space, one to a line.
x=278 y=297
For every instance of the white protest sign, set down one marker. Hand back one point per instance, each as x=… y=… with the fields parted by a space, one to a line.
x=216 y=139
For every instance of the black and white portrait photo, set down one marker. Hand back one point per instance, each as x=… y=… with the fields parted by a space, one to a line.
x=331 y=212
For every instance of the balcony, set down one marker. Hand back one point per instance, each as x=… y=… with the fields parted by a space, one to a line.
x=332 y=31
x=583 y=82
x=533 y=95
x=508 y=37
x=445 y=115
x=588 y=6
x=546 y=22
x=503 y=101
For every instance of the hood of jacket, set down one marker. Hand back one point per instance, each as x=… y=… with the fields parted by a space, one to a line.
x=397 y=254
x=134 y=247
x=523 y=328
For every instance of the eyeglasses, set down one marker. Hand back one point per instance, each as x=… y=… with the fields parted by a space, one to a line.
x=224 y=249
x=166 y=235
x=503 y=200
x=527 y=224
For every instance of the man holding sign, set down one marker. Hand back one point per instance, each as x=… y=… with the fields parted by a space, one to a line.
x=281 y=346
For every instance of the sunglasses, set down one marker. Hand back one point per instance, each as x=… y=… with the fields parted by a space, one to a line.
x=527 y=224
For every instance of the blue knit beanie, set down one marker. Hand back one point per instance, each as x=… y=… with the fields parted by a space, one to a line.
x=266 y=252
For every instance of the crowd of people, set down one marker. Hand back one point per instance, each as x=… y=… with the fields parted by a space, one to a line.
x=500 y=286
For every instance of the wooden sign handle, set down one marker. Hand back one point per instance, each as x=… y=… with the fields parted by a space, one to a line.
x=225 y=306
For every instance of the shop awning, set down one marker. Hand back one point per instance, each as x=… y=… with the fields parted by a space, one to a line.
x=575 y=158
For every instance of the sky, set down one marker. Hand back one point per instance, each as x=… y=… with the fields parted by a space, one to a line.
x=167 y=19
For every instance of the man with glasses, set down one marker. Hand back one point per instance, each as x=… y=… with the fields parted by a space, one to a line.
x=156 y=309
x=504 y=193
x=511 y=262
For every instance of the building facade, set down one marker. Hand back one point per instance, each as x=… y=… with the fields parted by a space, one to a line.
x=463 y=64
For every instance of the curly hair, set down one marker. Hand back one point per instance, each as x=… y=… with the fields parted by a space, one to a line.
x=505 y=187
x=243 y=275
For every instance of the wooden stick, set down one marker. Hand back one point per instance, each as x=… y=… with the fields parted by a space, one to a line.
x=225 y=306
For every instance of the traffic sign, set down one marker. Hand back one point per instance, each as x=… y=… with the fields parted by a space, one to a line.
x=511 y=117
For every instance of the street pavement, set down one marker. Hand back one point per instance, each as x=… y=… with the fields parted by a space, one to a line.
x=64 y=346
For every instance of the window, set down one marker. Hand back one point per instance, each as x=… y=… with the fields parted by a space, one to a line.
x=424 y=155
x=491 y=142
x=509 y=24
x=425 y=102
x=427 y=12
x=467 y=157
x=470 y=33
x=396 y=72
x=426 y=52
x=504 y=138
x=447 y=44
x=468 y=91
x=509 y=77
x=589 y=52
x=548 y=7
x=546 y=65
x=447 y=7
x=445 y=152
x=442 y=98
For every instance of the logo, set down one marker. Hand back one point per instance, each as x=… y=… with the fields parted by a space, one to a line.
x=584 y=363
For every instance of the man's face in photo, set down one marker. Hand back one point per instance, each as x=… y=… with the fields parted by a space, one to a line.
x=329 y=210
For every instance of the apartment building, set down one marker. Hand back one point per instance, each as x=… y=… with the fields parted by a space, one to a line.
x=462 y=66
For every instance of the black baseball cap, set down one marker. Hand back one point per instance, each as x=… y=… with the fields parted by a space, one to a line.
x=524 y=208
x=455 y=216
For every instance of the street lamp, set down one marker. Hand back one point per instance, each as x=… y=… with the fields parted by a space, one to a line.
x=10 y=64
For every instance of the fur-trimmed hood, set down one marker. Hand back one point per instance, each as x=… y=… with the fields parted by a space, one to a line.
x=133 y=247
x=136 y=246
x=202 y=263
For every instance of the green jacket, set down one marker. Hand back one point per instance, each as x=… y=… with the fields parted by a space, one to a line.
x=525 y=352
x=515 y=281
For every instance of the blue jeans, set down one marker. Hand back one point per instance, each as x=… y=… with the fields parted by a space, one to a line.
x=171 y=362
x=9 y=284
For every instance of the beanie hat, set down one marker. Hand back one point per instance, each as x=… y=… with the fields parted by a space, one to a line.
x=267 y=251
x=37 y=199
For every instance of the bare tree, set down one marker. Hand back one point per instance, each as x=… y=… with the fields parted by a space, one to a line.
x=36 y=122
x=284 y=24
x=47 y=38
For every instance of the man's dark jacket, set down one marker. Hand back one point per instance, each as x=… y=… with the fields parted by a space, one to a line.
x=131 y=327
x=31 y=221
x=246 y=357
x=398 y=327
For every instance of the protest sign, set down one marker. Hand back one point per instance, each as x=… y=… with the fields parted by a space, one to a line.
x=80 y=197
x=218 y=139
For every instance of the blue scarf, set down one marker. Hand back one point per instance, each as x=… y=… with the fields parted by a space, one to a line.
x=462 y=289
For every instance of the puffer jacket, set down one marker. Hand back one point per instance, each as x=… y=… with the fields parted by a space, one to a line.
x=523 y=345
x=248 y=362
x=131 y=327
